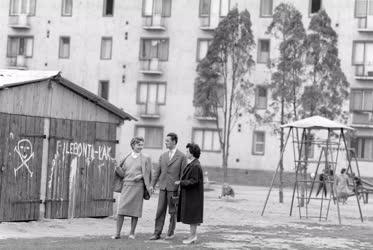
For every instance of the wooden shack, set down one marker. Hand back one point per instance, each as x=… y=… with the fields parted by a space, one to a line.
x=57 y=145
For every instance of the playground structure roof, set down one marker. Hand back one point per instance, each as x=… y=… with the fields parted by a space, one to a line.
x=316 y=122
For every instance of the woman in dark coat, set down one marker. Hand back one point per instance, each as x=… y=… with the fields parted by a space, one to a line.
x=190 y=209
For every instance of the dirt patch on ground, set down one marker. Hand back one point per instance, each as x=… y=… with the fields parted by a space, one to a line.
x=228 y=224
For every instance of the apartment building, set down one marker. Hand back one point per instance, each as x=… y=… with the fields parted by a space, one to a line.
x=142 y=56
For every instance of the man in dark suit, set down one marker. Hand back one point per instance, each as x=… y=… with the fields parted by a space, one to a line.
x=169 y=169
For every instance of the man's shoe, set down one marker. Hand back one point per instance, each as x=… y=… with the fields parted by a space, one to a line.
x=170 y=237
x=155 y=237
x=115 y=237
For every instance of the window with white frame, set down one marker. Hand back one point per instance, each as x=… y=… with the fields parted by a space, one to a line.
x=152 y=135
x=156 y=7
x=363 y=147
x=362 y=58
x=18 y=7
x=261 y=97
x=106 y=48
x=315 y=6
x=20 y=45
x=263 y=51
x=208 y=7
x=207 y=139
x=64 y=51
x=202 y=48
x=67 y=8
x=151 y=95
x=361 y=100
x=103 y=89
x=266 y=8
x=204 y=8
x=224 y=7
x=258 y=143
x=153 y=48
x=108 y=7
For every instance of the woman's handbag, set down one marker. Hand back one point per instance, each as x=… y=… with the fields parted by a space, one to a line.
x=146 y=195
x=118 y=182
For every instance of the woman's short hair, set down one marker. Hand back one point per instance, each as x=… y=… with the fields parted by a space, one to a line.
x=136 y=140
x=194 y=149
x=343 y=170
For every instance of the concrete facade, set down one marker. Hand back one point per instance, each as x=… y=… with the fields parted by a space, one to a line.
x=182 y=29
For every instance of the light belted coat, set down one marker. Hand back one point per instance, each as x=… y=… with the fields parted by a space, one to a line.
x=168 y=171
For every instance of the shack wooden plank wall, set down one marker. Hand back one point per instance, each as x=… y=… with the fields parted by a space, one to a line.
x=80 y=169
x=21 y=156
x=50 y=99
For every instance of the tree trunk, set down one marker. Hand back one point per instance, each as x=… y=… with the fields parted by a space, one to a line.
x=280 y=191
x=225 y=169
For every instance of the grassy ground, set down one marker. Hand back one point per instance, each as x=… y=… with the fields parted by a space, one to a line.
x=228 y=224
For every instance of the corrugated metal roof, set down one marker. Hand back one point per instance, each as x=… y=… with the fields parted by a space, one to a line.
x=13 y=78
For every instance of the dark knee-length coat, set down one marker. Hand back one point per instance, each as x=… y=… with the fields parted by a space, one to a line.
x=190 y=209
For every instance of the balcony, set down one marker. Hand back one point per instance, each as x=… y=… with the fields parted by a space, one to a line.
x=154 y=23
x=151 y=67
x=20 y=21
x=204 y=115
x=149 y=110
x=365 y=24
x=19 y=62
x=364 y=72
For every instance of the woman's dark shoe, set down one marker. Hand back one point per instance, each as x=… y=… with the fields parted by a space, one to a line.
x=115 y=237
x=155 y=237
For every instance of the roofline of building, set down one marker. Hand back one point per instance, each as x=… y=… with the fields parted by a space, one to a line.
x=103 y=103
x=94 y=98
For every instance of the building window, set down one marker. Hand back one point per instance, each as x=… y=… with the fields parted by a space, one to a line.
x=153 y=136
x=266 y=8
x=18 y=7
x=64 y=51
x=156 y=7
x=309 y=140
x=154 y=48
x=258 y=143
x=106 y=48
x=103 y=89
x=363 y=148
x=315 y=6
x=207 y=139
x=151 y=92
x=363 y=8
x=205 y=7
x=202 y=48
x=108 y=7
x=362 y=58
x=263 y=51
x=261 y=97
x=20 y=46
x=67 y=8
x=361 y=100
x=224 y=7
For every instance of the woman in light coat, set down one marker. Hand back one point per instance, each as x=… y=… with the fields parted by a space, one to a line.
x=135 y=169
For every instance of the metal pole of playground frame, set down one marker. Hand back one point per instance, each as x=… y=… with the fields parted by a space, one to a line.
x=349 y=163
x=278 y=165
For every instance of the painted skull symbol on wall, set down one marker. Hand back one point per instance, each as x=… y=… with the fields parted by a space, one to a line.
x=25 y=153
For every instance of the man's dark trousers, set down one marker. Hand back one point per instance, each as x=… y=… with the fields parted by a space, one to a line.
x=164 y=200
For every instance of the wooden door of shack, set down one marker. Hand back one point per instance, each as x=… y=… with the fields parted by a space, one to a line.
x=57 y=145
